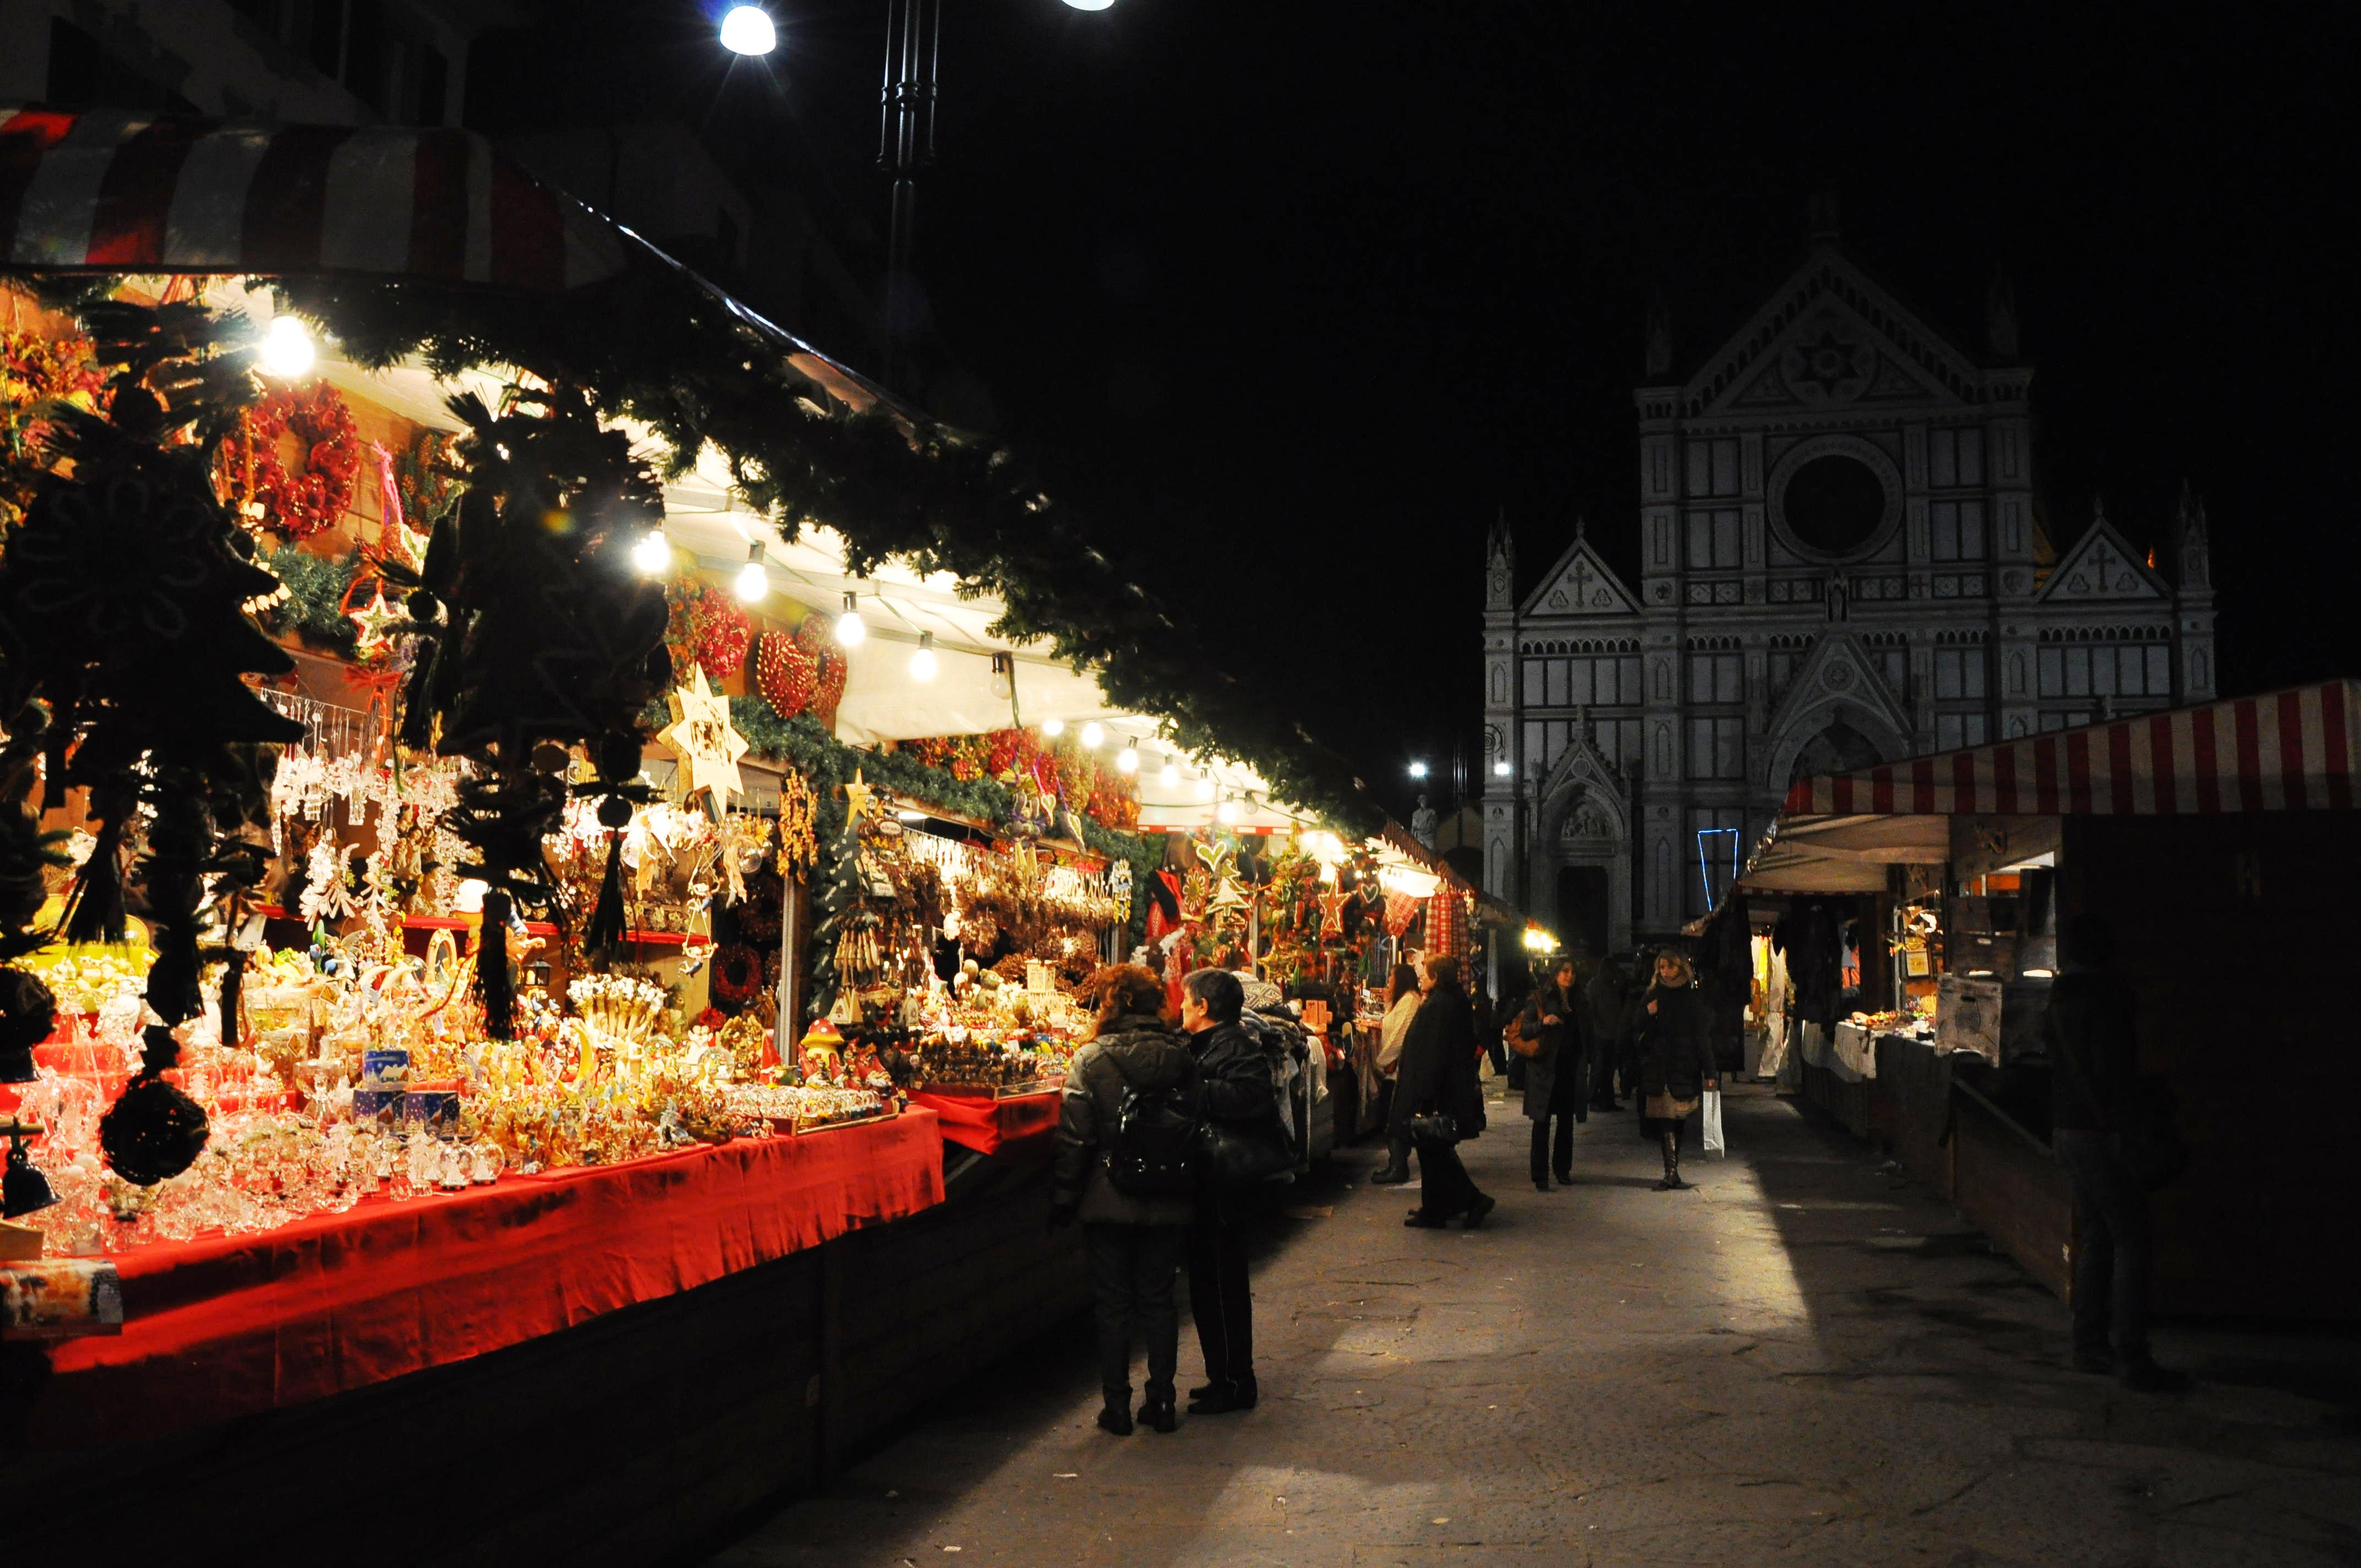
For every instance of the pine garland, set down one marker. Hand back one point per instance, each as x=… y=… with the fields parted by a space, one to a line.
x=313 y=608
x=660 y=348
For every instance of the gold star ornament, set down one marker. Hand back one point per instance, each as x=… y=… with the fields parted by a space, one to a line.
x=856 y=799
x=703 y=739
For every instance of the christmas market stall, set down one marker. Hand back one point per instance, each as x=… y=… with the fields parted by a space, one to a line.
x=533 y=807
x=2199 y=835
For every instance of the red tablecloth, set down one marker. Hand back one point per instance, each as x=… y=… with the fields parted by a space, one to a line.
x=226 y=1326
x=987 y=1125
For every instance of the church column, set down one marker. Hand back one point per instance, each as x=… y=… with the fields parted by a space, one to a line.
x=2008 y=470
x=2197 y=678
x=1504 y=830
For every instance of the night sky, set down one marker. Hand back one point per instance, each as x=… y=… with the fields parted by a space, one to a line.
x=1297 y=297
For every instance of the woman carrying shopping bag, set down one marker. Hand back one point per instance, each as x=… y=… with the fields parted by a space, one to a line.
x=1403 y=1001
x=1677 y=1065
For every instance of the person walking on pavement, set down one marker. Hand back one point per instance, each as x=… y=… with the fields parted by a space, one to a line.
x=1440 y=1101
x=1604 y=1005
x=1134 y=1244
x=1555 y=1090
x=1676 y=1061
x=2094 y=1081
x=1403 y=998
x=1235 y=1085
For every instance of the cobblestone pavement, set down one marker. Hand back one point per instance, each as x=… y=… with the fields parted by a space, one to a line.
x=1807 y=1360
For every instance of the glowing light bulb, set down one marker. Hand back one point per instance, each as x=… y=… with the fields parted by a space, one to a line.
x=1128 y=760
x=1228 y=813
x=1204 y=786
x=1053 y=728
x=1501 y=769
x=850 y=628
x=1418 y=770
x=753 y=583
x=652 y=554
x=1089 y=4
x=1170 y=775
x=747 y=30
x=1093 y=736
x=922 y=662
x=287 y=349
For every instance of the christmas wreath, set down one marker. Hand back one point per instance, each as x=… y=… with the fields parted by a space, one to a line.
x=786 y=673
x=705 y=628
x=737 y=974
x=310 y=502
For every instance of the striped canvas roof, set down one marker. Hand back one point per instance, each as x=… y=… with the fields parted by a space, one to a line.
x=2288 y=751
x=130 y=193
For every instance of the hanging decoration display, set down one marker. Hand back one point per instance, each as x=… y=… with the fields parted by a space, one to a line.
x=703 y=628
x=705 y=742
x=786 y=672
x=316 y=494
x=37 y=372
x=798 y=819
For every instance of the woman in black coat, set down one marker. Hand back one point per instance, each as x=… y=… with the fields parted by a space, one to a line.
x=1437 y=1078
x=1556 y=1080
x=1676 y=1061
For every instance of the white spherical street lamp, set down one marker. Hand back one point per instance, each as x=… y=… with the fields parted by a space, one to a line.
x=747 y=30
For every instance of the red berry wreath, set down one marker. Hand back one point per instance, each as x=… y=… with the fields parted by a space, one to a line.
x=314 y=499
x=737 y=975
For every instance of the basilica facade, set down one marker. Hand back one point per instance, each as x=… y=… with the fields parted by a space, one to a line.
x=1840 y=564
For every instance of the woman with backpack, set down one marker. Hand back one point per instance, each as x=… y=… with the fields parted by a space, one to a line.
x=1128 y=1105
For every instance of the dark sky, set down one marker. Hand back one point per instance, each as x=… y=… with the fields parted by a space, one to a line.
x=1301 y=295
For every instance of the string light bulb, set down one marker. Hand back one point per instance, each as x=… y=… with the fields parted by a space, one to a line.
x=652 y=554
x=1228 y=813
x=922 y=662
x=1171 y=774
x=1128 y=760
x=754 y=583
x=1206 y=787
x=286 y=350
x=1052 y=728
x=1093 y=736
x=850 y=628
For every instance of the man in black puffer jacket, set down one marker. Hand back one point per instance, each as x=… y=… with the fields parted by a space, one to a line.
x=1235 y=1084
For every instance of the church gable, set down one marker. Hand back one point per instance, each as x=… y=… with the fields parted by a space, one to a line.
x=1829 y=338
x=1581 y=583
x=2102 y=569
x=1839 y=672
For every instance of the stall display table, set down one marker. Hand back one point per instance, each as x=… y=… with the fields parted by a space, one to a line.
x=989 y=1124
x=235 y=1324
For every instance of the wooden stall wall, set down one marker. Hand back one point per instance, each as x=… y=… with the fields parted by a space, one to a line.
x=2239 y=933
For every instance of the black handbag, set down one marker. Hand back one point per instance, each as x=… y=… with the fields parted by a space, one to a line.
x=1245 y=1153
x=1440 y=1125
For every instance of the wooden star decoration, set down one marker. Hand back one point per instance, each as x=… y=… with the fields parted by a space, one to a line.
x=856 y=799
x=703 y=739
x=372 y=622
x=1331 y=913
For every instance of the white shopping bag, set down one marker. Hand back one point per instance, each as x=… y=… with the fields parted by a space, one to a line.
x=1713 y=1141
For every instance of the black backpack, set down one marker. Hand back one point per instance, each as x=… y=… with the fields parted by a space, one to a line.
x=1154 y=1151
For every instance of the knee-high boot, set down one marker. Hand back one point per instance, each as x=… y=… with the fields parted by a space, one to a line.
x=1397 y=1171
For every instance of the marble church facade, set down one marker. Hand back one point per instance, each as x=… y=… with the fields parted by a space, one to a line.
x=1840 y=564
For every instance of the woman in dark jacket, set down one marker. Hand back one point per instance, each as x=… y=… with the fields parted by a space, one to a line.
x=1676 y=1061
x=1438 y=1079
x=1555 y=1083
x=1135 y=1245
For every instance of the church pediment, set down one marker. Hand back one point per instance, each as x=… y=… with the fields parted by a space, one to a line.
x=1830 y=338
x=2102 y=569
x=1839 y=673
x=1581 y=583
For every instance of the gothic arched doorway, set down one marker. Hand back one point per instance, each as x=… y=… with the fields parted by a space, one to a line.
x=1838 y=749
x=1583 y=897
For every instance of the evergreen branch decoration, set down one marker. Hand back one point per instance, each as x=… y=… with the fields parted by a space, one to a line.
x=657 y=346
x=313 y=608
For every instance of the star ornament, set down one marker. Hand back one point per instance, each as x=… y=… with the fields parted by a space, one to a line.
x=856 y=799
x=703 y=739
x=372 y=623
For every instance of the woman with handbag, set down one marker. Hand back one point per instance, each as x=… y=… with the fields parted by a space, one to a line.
x=1403 y=1001
x=1555 y=1090
x=1244 y=1141
x=1676 y=1063
x=1439 y=1101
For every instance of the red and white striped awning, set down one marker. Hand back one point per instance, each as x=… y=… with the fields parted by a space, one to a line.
x=135 y=192
x=2288 y=751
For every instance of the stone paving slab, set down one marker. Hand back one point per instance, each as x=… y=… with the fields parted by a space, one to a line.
x=1805 y=1361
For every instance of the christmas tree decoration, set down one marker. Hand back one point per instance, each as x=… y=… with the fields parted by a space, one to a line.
x=705 y=742
x=856 y=799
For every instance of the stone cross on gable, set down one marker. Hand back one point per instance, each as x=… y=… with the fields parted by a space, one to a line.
x=1582 y=578
x=2102 y=559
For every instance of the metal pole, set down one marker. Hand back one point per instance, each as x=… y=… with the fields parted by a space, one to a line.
x=905 y=143
x=785 y=1029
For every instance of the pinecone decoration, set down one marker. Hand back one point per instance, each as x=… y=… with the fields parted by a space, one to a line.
x=786 y=673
